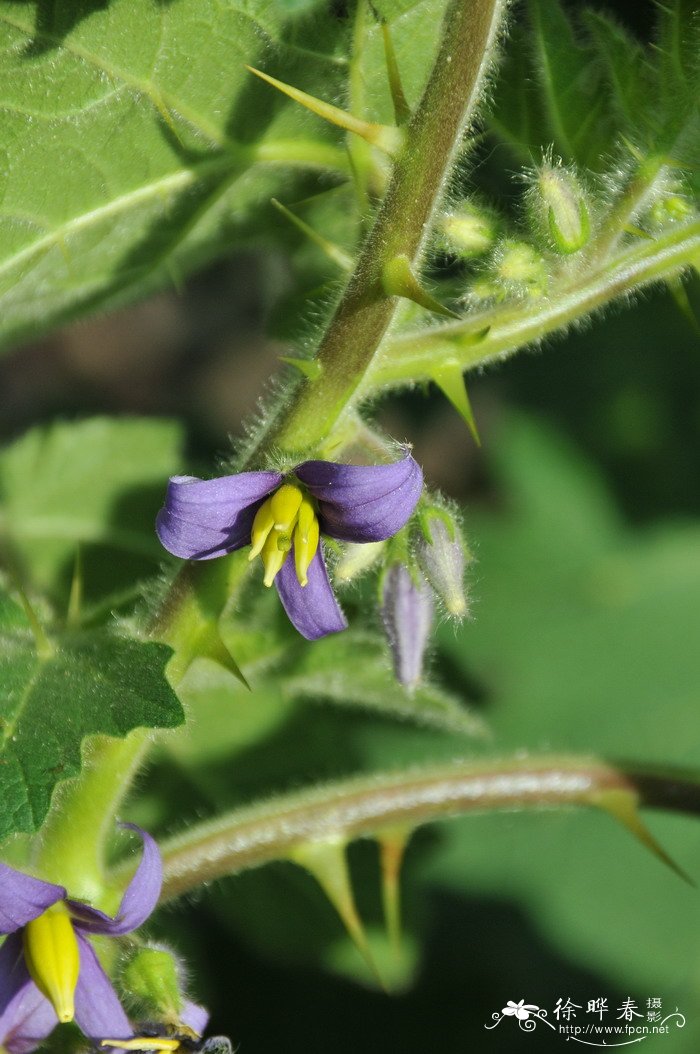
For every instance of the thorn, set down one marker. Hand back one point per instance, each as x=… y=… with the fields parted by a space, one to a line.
x=75 y=597
x=311 y=368
x=218 y=652
x=623 y=806
x=402 y=111
x=398 y=279
x=384 y=137
x=327 y=862
x=634 y=151
x=680 y=295
x=630 y=228
x=392 y=847
x=44 y=646
x=332 y=251
x=451 y=383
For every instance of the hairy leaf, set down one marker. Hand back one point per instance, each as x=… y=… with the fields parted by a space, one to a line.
x=127 y=135
x=92 y=682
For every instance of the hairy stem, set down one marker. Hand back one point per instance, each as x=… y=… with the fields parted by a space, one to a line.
x=70 y=848
x=402 y=225
x=366 y=806
x=498 y=331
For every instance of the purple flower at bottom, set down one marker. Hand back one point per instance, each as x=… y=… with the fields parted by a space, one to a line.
x=48 y=969
x=282 y=516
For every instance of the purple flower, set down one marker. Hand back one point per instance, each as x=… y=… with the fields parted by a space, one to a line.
x=282 y=517
x=48 y=969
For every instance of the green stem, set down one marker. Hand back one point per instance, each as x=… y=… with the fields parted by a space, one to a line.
x=499 y=331
x=70 y=848
x=401 y=227
x=369 y=805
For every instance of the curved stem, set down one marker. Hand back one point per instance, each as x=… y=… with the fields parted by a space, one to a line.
x=402 y=226
x=365 y=806
x=70 y=848
x=499 y=331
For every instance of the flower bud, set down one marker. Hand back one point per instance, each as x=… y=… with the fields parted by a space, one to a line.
x=564 y=206
x=468 y=231
x=407 y=614
x=520 y=269
x=442 y=558
x=357 y=558
x=670 y=209
x=153 y=977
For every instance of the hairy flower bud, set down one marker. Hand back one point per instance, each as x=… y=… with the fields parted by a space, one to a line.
x=442 y=558
x=562 y=203
x=153 y=977
x=468 y=230
x=356 y=559
x=520 y=269
x=407 y=614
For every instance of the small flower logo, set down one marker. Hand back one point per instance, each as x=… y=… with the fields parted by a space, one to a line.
x=521 y=1010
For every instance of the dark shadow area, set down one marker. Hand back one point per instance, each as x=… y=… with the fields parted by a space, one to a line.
x=464 y=977
x=55 y=20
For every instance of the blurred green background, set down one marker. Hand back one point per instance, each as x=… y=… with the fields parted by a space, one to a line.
x=582 y=508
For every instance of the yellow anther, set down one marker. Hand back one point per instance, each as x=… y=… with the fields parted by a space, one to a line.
x=306 y=536
x=142 y=1043
x=285 y=504
x=262 y=525
x=52 y=957
x=272 y=557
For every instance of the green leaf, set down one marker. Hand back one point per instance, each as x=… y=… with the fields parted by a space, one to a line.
x=96 y=484
x=91 y=682
x=583 y=642
x=352 y=669
x=127 y=135
x=625 y=64
x=550 y=90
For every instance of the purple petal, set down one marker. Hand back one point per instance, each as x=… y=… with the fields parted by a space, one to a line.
x=26 y=1017
x=363 y=503
x=138 y=902
x=23 y=898
x=206 y=518
x=312 y=609
x=195 y=1017
x=98 y=1012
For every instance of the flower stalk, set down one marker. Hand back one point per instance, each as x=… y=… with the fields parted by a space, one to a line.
x=366 y=806
x=401 y=228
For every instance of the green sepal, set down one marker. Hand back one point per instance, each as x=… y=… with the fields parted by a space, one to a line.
x=151 y=975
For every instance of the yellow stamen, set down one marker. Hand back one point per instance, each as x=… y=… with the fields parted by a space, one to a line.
x=285 y=519
x=306 y=538
x=272 y=557
x=262 y=525
x=52 y=957
x=285 y=504
x=142 y=1043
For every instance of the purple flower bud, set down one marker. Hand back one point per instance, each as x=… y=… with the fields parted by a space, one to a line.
x=407 y=614
x=442 y=561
